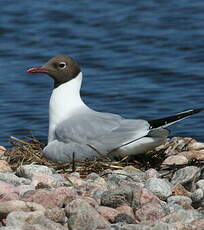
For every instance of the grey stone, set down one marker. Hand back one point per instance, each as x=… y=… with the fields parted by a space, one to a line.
x=117 y=197
x=122 y=217
x=96 y=195
x=121 y=226
x=13 y=179
x=163 y=226
x=176 y=203
x=11 y=228
x=179 y=200
x=92 y=176
x=151 y=173
x=18 y=218
x=200 y=184
x=156 y=226
x=173 y=207
x=28 y=171
x=183 y=216
x=56 y=214
x=197 y=195
x=35 y=219
x=81 y=215
x=22 y=189
x=186 y=175
x=159 y=187
x=7 y=207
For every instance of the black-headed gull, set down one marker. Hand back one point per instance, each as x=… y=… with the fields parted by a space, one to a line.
x=75 y=128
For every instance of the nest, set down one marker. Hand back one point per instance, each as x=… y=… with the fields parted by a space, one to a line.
x=29 y=151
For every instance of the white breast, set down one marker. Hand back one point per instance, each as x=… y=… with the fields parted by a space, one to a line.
x=64 y=101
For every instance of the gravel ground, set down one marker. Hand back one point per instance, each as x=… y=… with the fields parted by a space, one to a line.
x=38 y=197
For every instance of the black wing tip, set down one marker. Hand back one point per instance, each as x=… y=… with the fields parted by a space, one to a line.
x=172 y=119
x=197 y=110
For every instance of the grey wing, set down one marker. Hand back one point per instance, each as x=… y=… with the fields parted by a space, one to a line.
x=102 y=131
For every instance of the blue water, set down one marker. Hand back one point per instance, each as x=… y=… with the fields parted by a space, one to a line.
x=140 y=59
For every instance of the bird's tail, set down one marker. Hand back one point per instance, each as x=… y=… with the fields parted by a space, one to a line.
x=167 y=121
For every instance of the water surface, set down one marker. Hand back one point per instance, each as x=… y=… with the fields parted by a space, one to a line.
x=140 y=59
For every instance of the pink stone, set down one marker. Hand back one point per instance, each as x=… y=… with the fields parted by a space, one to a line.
x=90 y=201
x=150 y=212
x=44 y=179
x=2 y=150
x=198 y=224
x=18 y=205
x=124 y=209
x=150 y=207
x=4 y=166
x=175 y=160
x=6 y=187
x=51 y=199
x=151 y=173
x=194 y=154
x=147 y=197
x=83 y=216
x=195 y=145
x=74 y=180
x=8 y=192
x=108 y=213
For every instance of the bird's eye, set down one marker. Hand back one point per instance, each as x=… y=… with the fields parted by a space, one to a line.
x=62 y=65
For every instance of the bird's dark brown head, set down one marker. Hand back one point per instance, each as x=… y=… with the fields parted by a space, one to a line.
x=61 y=68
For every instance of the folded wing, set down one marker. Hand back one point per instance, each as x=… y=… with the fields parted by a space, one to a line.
x=103 y=131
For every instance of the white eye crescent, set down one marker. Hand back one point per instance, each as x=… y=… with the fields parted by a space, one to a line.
x=62 y=65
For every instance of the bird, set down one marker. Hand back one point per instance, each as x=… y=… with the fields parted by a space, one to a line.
x=79 y=132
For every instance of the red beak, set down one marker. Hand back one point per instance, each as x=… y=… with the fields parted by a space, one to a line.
x=37 y=70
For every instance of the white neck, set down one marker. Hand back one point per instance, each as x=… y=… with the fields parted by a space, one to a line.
x=64 y=101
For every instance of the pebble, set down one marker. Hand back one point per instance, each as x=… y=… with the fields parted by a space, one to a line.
x=36 y=218
x=195 y=145
x=198 y=224
x=117 y=197
x=56 y=214
x=13 y=179
x=36 y=197
x=186 y=175
x=200 y=184
x=28 y=171
x=22 y=189
x=51 y=199
x=150 y=212
x=197 y=195
x=179 y=202
x=175 y=160
x=159 y=187
x=194 y=155
x=2 y=150
x=107 y=212
x=151 y=173
x=9 y=206
x=178 y=189
x=82 y=215
x=125 y=209
x=12 y=228
x=124 y=218
x=8 y=192
x=46 y=180
x=4 y=166
x=183 y=216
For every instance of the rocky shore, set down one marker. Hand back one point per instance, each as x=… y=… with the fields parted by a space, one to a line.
x=130 y=196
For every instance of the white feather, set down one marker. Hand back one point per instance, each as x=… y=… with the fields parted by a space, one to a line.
x=64 y=101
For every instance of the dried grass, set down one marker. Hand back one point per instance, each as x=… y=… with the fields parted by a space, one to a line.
x=29 y=151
